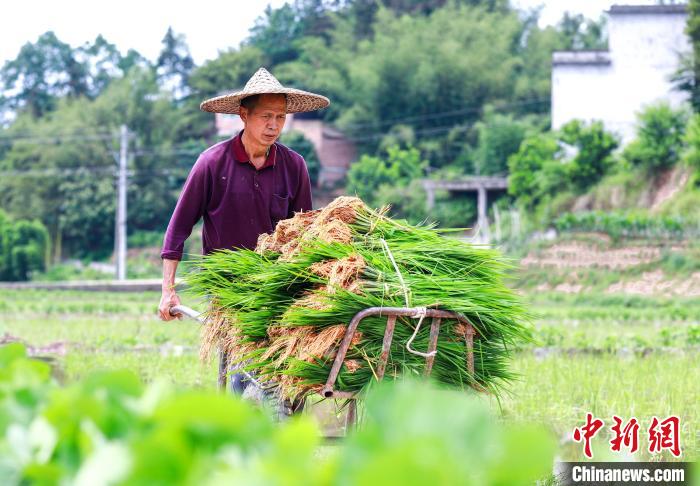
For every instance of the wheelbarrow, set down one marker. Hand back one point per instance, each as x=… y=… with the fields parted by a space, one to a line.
x=391 y=313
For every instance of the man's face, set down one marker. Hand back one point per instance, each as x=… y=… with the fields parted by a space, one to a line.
x=264 y=123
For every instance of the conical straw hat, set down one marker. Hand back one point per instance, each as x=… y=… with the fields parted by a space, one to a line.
x=263 y=82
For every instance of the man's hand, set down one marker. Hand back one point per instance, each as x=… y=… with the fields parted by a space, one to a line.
x=168 y=299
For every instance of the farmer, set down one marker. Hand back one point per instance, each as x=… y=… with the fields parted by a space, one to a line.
x=243 y=186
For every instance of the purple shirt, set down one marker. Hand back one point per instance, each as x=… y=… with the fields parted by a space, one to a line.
x=237 y=201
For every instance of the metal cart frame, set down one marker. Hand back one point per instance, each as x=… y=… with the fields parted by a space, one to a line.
x=391 y=313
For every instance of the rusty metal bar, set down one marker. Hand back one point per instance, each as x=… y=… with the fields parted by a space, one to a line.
x=328 y=391
x=432 y=346
x=386 y=346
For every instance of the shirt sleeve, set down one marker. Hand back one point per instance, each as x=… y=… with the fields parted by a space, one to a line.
x=302 y=198
x=189 y=209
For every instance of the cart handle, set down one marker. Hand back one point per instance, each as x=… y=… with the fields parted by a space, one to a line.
x=189 y=312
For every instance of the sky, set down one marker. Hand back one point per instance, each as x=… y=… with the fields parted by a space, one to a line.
x=209 y=26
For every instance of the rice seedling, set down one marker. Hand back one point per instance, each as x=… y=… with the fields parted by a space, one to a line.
x=284 y=308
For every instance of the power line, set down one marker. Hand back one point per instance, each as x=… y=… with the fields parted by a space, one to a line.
x=57 y=171
x=425 y=131
x=57 y=140
x=85 y=170
x=29 y=134
x=446 y=114
x=167 y=152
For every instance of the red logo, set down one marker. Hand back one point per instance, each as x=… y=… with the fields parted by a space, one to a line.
x=661 y=434
x=587 y=432
x=629 y=435
x=665 y=435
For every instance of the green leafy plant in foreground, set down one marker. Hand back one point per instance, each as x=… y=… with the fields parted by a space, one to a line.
x=110 y=429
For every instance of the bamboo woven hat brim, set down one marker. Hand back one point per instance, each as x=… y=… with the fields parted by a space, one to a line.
x=263 y=82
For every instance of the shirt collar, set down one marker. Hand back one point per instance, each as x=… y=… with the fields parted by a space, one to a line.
x=241 y=155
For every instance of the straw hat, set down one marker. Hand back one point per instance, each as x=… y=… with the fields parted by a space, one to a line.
x=263 y=82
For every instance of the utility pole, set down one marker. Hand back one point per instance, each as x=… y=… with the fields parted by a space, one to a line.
x=120 y=234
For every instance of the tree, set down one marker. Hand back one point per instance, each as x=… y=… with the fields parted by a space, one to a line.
x=64 y=173
x=691 y=156
x=571 y=159
x=104 y=63
x=499 y=136
x=693 y=30
x=659 y=141
x=279 y=30
x=40 y=74
x=424 y=7
x=594 y=147
x=23 y=246
x=526 y=182
x=303 y=146
x=397 y=168
x=577 y=32
x=49 y=69
x=431 y=71
x=174 y=64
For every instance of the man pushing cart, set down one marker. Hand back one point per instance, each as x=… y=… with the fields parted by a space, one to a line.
x=243 y=186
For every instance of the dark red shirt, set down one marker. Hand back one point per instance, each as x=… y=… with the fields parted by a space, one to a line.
x=237 y=201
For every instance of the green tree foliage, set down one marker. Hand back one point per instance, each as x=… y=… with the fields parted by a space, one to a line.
x=174 y=63
x=105 y=63
x=409 y=202
x=395 y=179
x=49 y=69
x=422 y=7
x=691 y=156
x=498 y=137
x=63 y=173
x=692 y=83
x=41 y=73
x=398 y=168
x=571 y=159
x=527 y=182
x=577 y=32
x=303 y=146
x=594 y=147
x=433 y=73
x=659 y=141
x=279 y=30
x=23 y=246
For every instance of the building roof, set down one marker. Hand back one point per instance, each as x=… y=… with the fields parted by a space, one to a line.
x=581 y=58
x=675 y=8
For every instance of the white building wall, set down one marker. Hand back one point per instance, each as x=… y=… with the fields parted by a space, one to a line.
x=644 y=51
x=581 y=92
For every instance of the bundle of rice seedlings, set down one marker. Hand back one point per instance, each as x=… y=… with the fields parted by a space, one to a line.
x=284 y=307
